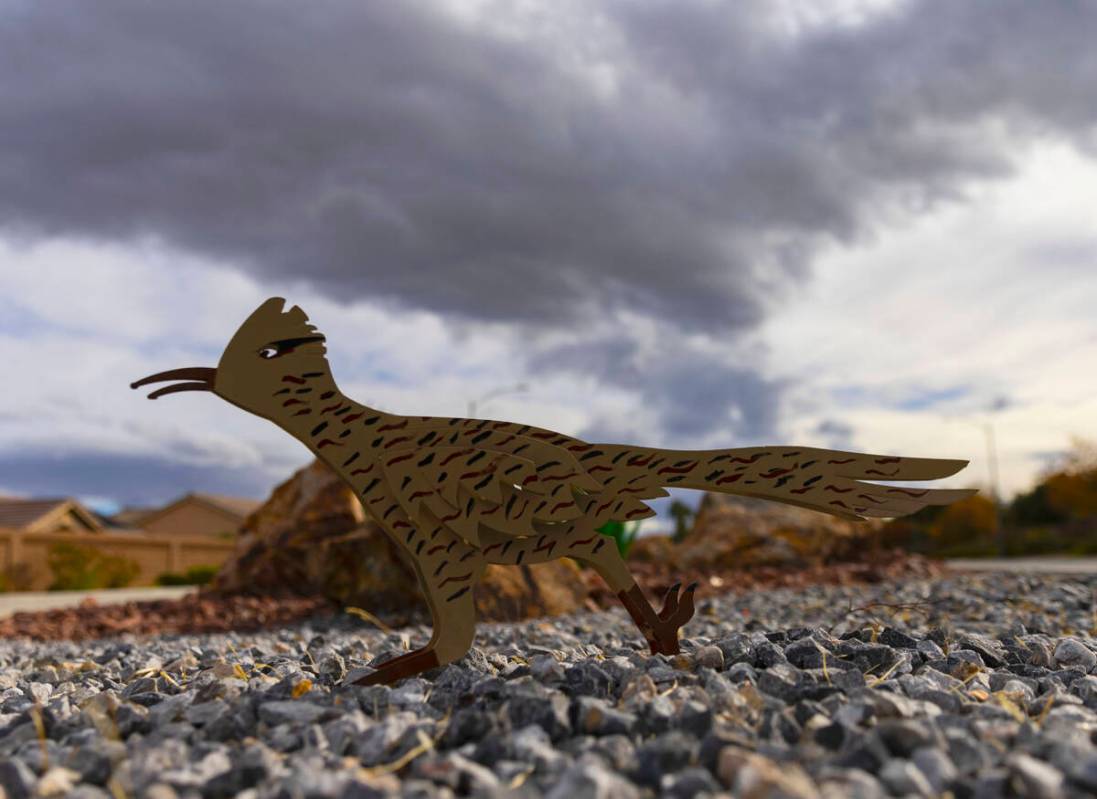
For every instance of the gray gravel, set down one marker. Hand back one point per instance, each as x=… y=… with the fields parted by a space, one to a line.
x=983 y=685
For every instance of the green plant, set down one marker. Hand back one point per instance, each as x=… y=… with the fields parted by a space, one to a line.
x=682 y=514
x=171 y=578
x=1033 y=508
x=195 y=575
x=116 y=571
x=200 y=575
x=623 y=534
x=82 y=568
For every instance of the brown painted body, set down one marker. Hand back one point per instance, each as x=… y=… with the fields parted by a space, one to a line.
x=457 y=494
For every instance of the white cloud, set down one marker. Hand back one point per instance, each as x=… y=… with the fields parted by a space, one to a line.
x=80 y=322
x=907 y=339
x=988 y=298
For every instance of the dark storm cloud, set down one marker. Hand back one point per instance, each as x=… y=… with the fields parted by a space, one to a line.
x=379 y=149
x=668 y=157
x=387 y=150
x=692 y=393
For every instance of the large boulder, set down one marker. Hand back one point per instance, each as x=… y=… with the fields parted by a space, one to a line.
x=313 y=538
x=733 y=532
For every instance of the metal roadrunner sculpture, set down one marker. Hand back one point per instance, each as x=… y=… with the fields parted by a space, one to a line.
x=458 y=494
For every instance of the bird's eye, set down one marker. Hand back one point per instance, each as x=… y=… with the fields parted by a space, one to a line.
x=268 y=352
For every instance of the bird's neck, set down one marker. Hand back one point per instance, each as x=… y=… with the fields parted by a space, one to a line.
x=333 y=426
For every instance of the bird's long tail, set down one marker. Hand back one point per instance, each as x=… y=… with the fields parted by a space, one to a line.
x=831 y=481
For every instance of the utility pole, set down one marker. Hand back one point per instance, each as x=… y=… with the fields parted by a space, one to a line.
x=994 y=485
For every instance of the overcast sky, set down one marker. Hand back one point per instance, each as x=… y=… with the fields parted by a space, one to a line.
x=867 y=225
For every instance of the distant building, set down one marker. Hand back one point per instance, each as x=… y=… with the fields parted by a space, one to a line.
x=190 y=515
x=55 y=515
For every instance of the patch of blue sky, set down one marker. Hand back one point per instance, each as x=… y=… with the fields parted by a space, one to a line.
x=386 y=376
x=849 y=395
x=932 y=397
x=21 y=322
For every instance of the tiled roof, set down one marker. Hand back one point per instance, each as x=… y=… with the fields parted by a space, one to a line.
x=20 y=513
x=238 y=506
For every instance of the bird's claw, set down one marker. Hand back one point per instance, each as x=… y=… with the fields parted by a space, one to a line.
x=670 y=601
x=678 y=608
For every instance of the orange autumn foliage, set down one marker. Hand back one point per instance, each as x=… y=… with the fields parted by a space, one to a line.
x=1073 y=494
x=970 y=519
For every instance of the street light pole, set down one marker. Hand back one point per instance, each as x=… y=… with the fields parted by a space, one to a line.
x=992 y=476
x=995 y=488
x=992 y=460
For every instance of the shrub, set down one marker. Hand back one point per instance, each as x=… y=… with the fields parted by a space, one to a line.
x=967 y=522
x=171 y=578
x=195 y=575
x=200 y=575
x=83 y=568
x=1033 y=508
x=17 y=577
x=116 y=571
x=1073 y=495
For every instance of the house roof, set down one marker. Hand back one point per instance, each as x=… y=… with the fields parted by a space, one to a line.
x=237 y=508
x=31 y=513
x=131 y=517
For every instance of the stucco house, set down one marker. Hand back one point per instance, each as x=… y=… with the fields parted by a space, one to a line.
x=193 y=514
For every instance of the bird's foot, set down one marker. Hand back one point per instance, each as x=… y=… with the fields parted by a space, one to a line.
x=407 y=665
x=678 y=608
x=660 y=629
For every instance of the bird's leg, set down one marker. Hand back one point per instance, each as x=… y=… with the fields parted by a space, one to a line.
x=454 y=618
x=584 y=543
x=660 y=629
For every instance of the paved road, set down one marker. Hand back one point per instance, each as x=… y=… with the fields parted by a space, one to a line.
x=48 y=600
x=1046 y=565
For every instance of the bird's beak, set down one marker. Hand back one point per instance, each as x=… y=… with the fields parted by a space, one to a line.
x=201 y=379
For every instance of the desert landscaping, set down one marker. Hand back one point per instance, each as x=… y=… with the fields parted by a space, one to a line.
x=818 y=664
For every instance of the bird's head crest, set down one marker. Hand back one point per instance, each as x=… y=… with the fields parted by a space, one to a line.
x=274 y=366
x=275 y=363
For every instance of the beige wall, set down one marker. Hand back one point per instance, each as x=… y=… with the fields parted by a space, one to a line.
x=192 y=518
x=26 y=553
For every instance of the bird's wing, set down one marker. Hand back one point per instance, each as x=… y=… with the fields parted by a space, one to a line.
x=462 y=473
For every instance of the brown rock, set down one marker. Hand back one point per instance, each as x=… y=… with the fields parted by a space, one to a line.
x=313 y=538
x=548 y=589
x=732 y=532
x=659 y=549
